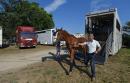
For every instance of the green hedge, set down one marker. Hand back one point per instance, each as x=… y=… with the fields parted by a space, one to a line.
x=126 y=40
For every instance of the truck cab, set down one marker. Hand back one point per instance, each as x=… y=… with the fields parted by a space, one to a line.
x=26 y=36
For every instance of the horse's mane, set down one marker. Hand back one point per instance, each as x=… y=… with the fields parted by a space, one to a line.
x=69 y=34
x=66 y=32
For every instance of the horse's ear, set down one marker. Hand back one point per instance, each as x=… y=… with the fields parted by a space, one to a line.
x=56 y=29
x=61 y=28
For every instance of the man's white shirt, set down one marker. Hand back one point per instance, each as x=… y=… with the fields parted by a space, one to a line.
x=92 y=46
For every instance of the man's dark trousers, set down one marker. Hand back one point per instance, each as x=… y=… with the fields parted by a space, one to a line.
x=91 y=57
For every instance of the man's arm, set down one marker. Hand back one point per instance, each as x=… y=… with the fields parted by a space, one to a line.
x=82 y=43
x=98 y=48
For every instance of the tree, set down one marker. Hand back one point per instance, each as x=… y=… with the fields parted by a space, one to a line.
x=127 y=26
x=8 y=5
x=126 y=37
x=31 y=14
x=15 y=13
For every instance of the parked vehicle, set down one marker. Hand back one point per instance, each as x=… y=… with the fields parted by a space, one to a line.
x=26 y=36
x=46 y=37
x=107 y=29
x=4 y=42
x=0 y=36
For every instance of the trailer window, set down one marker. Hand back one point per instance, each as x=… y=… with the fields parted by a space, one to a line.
x=117 y=25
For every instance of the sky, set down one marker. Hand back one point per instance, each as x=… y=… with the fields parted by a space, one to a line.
x=70 y=14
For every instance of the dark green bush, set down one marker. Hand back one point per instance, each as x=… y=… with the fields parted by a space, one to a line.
x=126 y=40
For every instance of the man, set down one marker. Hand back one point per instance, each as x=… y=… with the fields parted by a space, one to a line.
x=93 y=48
x=58 y=47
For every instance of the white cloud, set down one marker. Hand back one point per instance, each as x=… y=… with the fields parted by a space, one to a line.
x=99 y=4
x=54 y=5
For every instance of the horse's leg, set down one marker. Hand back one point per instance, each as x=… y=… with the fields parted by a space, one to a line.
x=74 y=58
x=69 y=53
x=85 y=56
x=58 y=58
x=71 y=60
x=68 y=48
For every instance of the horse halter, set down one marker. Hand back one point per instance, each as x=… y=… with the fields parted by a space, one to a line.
x=58 y=38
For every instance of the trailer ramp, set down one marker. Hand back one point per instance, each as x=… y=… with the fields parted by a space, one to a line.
x=102 y=57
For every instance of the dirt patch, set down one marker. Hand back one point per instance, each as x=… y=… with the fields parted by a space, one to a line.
x=12 y=58
x=13 y=50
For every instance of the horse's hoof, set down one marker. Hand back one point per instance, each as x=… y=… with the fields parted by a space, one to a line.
x=70 y=71
x=70 y=74
x=67 y=73
x=43 y=59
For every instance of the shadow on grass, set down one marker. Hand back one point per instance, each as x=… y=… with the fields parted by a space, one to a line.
x=63 y=59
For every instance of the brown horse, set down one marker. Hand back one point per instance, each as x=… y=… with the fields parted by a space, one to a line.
x=71 y=43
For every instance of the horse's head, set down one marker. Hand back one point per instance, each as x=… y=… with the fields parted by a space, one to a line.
x=60 y=34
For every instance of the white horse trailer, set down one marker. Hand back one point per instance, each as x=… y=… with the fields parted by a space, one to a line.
x=107 y=29
x=1 y=36
x=46 y=37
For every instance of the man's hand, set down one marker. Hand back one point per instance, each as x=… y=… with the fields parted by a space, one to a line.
x=98 y=50
x=82 y=44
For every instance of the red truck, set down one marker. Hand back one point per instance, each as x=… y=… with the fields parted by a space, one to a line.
x=26 y=36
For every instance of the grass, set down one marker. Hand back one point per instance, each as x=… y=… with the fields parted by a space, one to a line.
x=117 y=70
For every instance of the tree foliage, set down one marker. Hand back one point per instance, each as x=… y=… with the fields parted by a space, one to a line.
x=126 y=37
x=127 y=26
x=15 y=13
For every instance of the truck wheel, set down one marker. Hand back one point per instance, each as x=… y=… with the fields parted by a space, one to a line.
x=34 y=47
x=20 y=47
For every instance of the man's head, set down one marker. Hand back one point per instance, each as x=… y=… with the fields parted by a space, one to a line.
x=90 y=36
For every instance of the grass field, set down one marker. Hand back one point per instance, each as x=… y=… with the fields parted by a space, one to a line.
x=117 y=70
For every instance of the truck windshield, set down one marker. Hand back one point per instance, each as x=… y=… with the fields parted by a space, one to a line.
x=28 y=34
